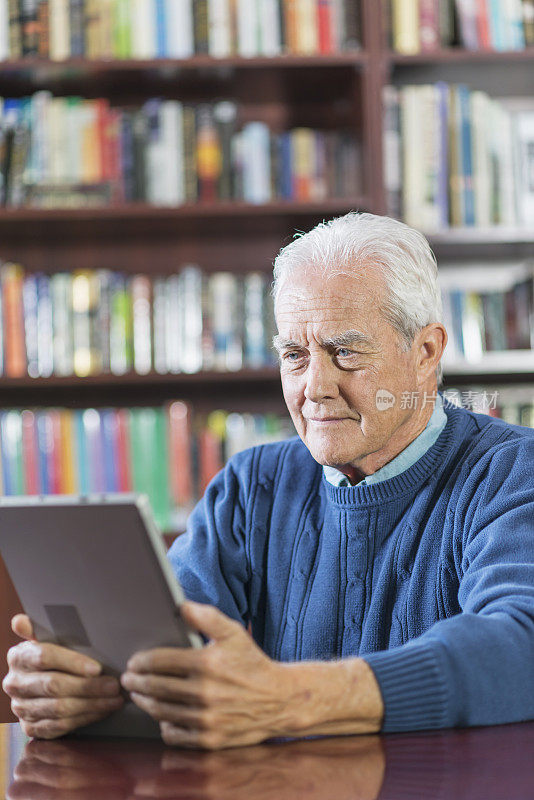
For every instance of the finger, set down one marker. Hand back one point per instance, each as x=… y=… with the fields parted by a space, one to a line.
x=209 y=620
x=164 y=688
x=37 y=709
x=180 y=661
x=52 y=728
x=162 y=711
x=59 y=684
x=22 y=626
x=44 y=656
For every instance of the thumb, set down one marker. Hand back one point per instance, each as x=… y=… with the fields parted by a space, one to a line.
x=22 y=626
x=208 y=620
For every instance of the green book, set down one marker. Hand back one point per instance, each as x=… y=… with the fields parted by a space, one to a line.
x=149 y=438
x=122 y=34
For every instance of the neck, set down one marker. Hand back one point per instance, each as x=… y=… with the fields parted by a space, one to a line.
x=405 y=434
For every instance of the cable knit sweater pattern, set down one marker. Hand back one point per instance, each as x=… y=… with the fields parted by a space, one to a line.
x=428 y=575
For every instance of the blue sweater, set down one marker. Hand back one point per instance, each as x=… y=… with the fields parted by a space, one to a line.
x=428 y=575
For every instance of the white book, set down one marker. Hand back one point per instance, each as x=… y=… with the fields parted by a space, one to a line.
x=142 y=332
x=143 y=27
x=61 y=293
x=412 y=147
x=503 y=142
x=269 y=25
x=171 y=169
x=191 y=336
x=159 y=316
x=256 y=163
x=4 y=30
x=59 y=21
x=173 y=323
x=39 y=158
x=219 y=28
x=523 y=126
x=226 y=321
x=338 y=24
x=247 y=28
x=482 y=171
x=180 y=31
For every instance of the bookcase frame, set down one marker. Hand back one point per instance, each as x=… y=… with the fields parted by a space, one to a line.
x=140 y=237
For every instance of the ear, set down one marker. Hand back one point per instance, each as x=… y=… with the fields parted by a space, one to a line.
x=428 y=347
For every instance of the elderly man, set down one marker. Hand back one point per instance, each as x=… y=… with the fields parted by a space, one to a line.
x=384 y=559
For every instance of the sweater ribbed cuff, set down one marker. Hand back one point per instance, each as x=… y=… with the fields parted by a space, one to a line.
x=414 y=687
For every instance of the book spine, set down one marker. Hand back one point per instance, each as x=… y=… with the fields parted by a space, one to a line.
x=219 y=28
x=208 y=156
x=353 y=25
x=160 y=10
x=429 y=25
x=29 y=27
x=15 y=29
x=108 y=432
x=191 y=291
x=76 y=23
x=180 y=28
x=68 y=477
x=392 y=151
x=247 y=28
x=496 y=25
x=483 y=24
x=30 y=453
x=12 y=281
x=43 y=17
x=466 y=10
x=59 y=30
x=4 y=31
x=324 y=26
x=30 y=324
x=269 y=28
x=528 y=22
x=82 y=466
x=142 y=331
x=180 y=461
x=405 y=19
x=123 y=450
x=201 y=26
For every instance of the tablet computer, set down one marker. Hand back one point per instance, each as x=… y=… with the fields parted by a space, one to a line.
x=92 y=574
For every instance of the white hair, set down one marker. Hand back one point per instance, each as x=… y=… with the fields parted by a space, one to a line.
x=358 y=240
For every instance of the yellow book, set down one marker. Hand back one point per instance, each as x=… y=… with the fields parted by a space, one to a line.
x=85 y=304
x=405 y=19
x=67 y=457
x=90 y=144
x=59 y=29
x=306 y=27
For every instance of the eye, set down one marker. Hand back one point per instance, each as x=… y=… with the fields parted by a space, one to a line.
x=293 y=355
x=344 y=352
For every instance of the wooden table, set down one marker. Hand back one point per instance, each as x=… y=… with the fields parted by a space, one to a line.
x=487 y=763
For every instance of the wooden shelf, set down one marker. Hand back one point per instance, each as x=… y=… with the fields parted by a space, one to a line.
x=461 y=56
x=144 y=211
x=471 y=235
x=104 y=380
x=72 y=67
x=498 y=365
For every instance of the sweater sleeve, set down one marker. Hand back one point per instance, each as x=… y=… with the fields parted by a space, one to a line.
x=476 y=668
x=209 y=559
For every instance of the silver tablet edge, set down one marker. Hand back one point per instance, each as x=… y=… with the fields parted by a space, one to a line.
x=143 y=506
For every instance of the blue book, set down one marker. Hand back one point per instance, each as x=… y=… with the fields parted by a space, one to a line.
x=6 y=466
x=497 y=25
x=44 y=445
x=30 y=304
x=458 y=308
x=109 y=455
x=161 y=29
x=81 y=453
x=466 y=167
x=286 y=170
x=443 y=165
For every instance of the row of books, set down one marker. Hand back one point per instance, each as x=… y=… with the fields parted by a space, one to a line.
x=65 y=151
x=168 y=453
x=457 y=157
x=419 y=26
x=513 y=404
x=487 y=309
x=151 y=29
x=93 y=321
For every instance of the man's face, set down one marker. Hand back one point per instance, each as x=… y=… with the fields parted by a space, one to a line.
x=336 y=352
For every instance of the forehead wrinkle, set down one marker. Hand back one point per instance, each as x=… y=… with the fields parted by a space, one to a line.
x=345 y=339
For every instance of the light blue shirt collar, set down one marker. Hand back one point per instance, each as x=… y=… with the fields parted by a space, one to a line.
x=406 y=458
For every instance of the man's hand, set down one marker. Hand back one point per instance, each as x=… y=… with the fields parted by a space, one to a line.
x=229 y=693
x=54 y=690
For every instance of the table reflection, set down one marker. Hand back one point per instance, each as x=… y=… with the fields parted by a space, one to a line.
x=486 y=763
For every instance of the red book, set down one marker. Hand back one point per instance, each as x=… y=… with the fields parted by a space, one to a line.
x=429 y=24
x=324 y=25
x=484 y=37
x=180 y=466
x=54 y=456
x=29 y=453
x=210 y=457
x=103 y=157
x=123 y=450
x=12 y=278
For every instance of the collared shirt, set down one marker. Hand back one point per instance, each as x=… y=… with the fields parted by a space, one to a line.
x=406 y=458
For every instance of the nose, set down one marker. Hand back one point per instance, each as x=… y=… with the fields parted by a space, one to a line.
x=321 y=379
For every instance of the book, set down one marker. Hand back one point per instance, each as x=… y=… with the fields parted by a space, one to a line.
x=405 y=20
x=429 y=25
x=11 y=280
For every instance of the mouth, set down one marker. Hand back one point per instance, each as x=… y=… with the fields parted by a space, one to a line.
x=326 y=420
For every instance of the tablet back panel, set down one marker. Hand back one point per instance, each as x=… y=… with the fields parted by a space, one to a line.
x=90 y=577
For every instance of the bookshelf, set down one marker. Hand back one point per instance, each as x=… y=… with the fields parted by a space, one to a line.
x=324 y=91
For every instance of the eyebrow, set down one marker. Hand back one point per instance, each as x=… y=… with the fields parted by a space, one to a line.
x=349 y=338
